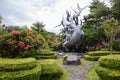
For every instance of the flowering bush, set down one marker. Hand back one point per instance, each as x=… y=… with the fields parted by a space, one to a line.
x=22 y=43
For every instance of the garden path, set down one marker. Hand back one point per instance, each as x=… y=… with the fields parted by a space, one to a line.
x=77 y=72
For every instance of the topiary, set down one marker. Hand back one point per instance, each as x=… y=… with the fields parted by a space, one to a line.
x=116 y=45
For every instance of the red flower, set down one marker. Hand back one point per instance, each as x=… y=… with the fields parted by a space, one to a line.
x=15 y=33
x=30 y=31
x=21 y=44
x=16 y=46
x=36 y=38
x=15 y=41
x=1 y=37
x=25 y=38
x=27 y=47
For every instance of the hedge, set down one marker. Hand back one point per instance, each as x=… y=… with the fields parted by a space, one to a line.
x=104 y=49
x=17 y=64
x=44 y=51
x=91 y=58
x=51 y=70
x=95 y=55
x=107 y=74
x=19 y=69
x=115 y=52
x=46 y=57
x=32 y=74
x=98 y=53
x=45 y=54
x=65 y=57
x=110 y=61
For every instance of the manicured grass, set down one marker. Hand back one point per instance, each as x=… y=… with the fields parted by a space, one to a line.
x=83 y=61
x=92 y=75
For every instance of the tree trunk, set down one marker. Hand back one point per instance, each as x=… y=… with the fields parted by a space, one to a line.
x=111 y=45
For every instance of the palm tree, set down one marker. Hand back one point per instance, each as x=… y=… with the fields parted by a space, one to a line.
x=38 y=26
x=0 y=20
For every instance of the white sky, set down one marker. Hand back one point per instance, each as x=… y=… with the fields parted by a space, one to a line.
x=27 y=12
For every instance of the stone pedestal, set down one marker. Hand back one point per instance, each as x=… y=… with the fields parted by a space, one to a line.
x=72 y=60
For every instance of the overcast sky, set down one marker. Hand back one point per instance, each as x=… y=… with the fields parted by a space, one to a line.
x=27 y=12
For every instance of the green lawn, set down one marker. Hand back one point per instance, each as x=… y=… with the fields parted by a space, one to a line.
x=92 y=75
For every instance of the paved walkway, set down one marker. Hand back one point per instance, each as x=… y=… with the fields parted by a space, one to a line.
x=77 y=72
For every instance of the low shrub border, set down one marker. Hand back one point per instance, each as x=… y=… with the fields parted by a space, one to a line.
x=107 y=74
x=98 y=53
x=32 y=74
x=45 y=54
x=91 y=58
x=65 y=57
x=104 y=49
x=17 y=64
x=51 y=70
x=46 y=57
x=110 y=61
x=12 y=69
x=95 y=55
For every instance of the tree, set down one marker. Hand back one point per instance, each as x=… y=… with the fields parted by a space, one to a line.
x=99 y=9
x=116 y=8
x=111 y=29
x=98 y=13
x=0 y=20
x=38 y=26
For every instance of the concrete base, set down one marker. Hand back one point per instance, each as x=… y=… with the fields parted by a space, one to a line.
x=72 y=60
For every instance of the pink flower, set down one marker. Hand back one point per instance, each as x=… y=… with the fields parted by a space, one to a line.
x=25 y=38
x=30 y=31
x=15 y=33
x=1 y=37
x=36 y=38
x=16 y=46
x=14 y=41
x=21 y=44
x=27 y=47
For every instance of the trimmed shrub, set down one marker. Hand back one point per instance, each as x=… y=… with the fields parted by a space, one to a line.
x=110 y=61
x=19 y=69
x=17 y=64
x=91 y=58
x=65 y=57
x=107 y=74
x=32 y=74
x=95 y=55
x=116 y=45
x=44 y=51
x=51 y=70
x=104 y=49
x=46 y=57
x=98 y=53
x=115 y=52
x=45 y=54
